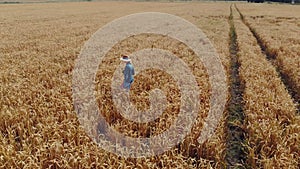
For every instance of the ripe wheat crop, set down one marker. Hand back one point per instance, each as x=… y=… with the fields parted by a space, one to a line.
x=271 y=123
x=39 y=128
x=279 y=33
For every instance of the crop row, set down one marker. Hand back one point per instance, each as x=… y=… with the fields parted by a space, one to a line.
x=278 y=38
x=271 y=124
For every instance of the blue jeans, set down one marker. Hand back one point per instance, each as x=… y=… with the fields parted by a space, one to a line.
x=127 y=85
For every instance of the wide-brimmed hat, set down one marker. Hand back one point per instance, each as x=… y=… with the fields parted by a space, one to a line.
x=125 y=58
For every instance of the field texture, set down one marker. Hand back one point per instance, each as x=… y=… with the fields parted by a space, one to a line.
x=269 y=109
x=258 y=46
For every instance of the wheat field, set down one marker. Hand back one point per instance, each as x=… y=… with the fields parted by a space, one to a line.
x=41 y=41
x=266 y=101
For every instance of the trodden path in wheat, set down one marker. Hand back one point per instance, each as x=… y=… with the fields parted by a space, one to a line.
x=283 y=55
x=39 y=44
x=271 y=123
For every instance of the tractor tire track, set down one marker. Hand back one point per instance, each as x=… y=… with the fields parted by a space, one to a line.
x=271 y=56
x=235 y=151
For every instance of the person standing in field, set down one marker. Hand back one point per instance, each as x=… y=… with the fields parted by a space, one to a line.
x=128 y=72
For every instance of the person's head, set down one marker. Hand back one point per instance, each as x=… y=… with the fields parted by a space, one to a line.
x=125 y=58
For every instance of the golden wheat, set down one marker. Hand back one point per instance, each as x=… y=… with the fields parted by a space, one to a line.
x=269 y=109
x=39 y=45
x=280 y=33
